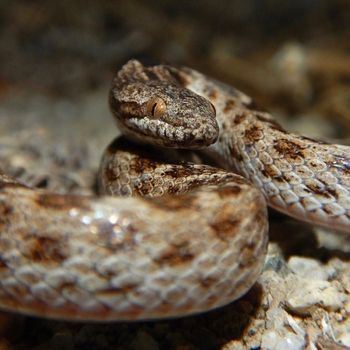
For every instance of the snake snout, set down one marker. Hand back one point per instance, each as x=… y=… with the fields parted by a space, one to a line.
x=199 y=123
x=200 y=134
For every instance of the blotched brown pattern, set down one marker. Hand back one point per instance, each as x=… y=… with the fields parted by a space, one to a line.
x=186 y=237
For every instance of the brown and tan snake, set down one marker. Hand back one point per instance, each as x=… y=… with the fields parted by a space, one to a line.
x=191 y=237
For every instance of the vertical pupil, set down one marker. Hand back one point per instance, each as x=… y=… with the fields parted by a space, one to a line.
x=154 y=108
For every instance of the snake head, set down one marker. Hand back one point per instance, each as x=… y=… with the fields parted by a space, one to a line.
x=151 y=106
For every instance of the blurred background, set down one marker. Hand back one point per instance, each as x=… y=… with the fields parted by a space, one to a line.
x=57 y=59
x=292 y=55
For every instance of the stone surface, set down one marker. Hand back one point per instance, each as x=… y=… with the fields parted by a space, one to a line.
x=310 y=269
x=305 y=294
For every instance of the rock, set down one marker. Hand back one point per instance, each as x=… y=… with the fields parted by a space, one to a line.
x=310 y=268
x=345 y=339
x=272 y=340
x=305 y=294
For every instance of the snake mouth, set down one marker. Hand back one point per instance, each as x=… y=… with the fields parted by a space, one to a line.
x=155 y=131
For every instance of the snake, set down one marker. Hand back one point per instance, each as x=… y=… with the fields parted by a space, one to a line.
x=179 y=225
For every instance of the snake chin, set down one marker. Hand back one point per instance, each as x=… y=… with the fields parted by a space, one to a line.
x=150 y=131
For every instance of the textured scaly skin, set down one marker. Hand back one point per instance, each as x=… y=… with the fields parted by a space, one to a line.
x=303 y=178
x=76 y=257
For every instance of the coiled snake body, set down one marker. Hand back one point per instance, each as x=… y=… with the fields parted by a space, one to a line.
x=106 y=258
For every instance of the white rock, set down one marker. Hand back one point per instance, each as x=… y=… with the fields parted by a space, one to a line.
x=305 y=294
x=310 y=268
x=272 y=340
x=345 y=339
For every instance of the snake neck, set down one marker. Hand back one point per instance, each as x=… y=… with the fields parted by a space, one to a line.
x=239 y=121
x=304 y=178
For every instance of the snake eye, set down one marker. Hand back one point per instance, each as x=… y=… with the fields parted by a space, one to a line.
x=156 y=107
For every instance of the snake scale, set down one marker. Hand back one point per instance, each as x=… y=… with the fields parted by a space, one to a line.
x=188 y=237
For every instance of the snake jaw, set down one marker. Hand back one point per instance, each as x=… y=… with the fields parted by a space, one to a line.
x=148 y=130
